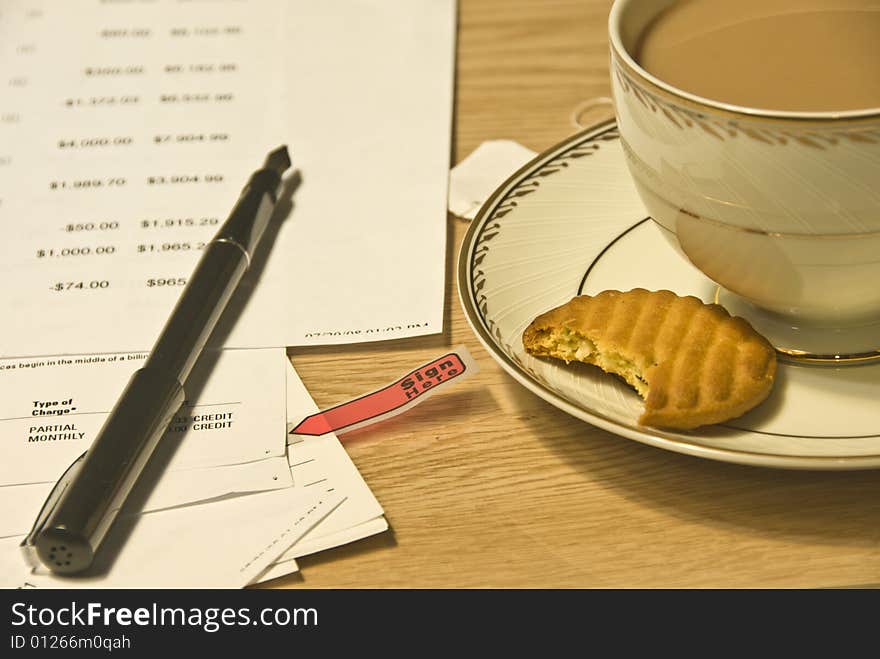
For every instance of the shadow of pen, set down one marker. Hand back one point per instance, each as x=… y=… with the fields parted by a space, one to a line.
x=129 y=515
x=239 y=302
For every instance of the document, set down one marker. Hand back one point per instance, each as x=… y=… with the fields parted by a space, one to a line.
x=127 y=130
x=194 y=498
x=19 y=504
x=287 y=566
x=321 y=464
x=126 y=150
x=51 y=409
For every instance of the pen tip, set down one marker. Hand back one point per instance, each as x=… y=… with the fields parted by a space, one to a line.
x=278 y=160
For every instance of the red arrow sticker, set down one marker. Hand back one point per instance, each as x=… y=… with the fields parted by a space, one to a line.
x=393 y=399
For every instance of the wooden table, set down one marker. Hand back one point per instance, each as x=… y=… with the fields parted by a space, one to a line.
x=489 y=486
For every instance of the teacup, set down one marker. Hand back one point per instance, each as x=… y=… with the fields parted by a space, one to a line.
x=780 y=208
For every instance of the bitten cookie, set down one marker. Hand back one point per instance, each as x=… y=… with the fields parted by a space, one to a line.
x=693 y=363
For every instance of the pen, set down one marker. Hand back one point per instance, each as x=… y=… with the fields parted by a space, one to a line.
x=86 y=500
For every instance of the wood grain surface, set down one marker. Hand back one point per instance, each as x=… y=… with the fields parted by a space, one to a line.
x=489 y=486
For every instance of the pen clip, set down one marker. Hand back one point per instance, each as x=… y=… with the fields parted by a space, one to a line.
x=27 y=546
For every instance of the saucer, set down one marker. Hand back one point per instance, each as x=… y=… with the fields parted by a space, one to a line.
x=571 y=222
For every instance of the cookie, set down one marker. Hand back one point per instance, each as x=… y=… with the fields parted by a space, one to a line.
x=693 y=363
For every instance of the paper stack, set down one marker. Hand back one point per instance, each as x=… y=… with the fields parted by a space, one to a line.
x=228 y=502
x=126 y=133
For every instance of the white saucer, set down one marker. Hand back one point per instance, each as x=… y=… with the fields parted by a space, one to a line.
x=571 y=222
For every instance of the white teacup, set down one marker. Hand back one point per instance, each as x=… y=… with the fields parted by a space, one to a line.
x=779 y=208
